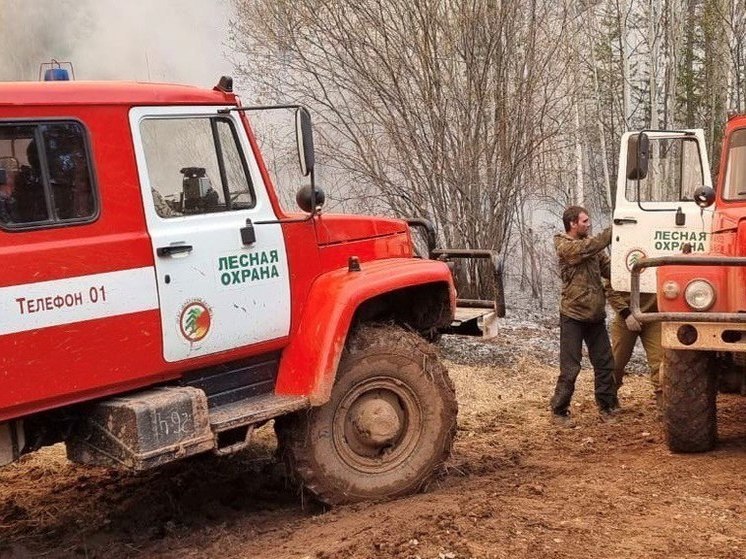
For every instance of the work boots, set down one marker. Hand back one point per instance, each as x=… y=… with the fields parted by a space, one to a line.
x=563 y=419
x=608 y=415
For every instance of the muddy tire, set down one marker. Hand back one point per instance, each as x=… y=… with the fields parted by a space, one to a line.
x=689 y=385
x=387 y=428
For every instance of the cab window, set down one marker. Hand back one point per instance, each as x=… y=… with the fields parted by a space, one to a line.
x=734 y=187
x=45 y=175
x=195 y=166
x=674 y=172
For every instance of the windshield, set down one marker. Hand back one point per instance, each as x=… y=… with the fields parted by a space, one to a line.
x=735 y=171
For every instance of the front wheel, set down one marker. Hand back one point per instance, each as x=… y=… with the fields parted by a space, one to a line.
x=387 y=427
x=689 y=384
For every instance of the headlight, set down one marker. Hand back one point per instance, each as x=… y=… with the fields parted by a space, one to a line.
x=671 y=289
x=699 y=295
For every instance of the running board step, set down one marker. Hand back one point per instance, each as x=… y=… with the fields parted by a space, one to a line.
x=233 y=424
x=254 y=410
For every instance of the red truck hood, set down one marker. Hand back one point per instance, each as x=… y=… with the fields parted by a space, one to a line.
x=333 y=229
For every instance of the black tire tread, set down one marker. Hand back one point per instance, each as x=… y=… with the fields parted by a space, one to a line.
x=689 y=384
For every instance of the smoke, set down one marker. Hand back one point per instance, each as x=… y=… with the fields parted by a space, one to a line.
x=181 y=41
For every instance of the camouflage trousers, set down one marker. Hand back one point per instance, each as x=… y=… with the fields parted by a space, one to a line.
x=623 y=343
x=572 y=335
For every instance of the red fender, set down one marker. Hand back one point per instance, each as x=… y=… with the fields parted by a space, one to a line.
x=309 y=363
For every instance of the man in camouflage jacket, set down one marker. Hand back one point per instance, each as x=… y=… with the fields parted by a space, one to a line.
x=583 y=263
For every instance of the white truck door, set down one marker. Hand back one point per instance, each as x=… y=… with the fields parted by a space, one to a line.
x=200 y=183
x=655 y=214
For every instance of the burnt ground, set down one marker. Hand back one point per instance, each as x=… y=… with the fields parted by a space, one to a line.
x=516 y=486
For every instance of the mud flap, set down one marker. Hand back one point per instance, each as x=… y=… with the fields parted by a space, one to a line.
x=143 y=430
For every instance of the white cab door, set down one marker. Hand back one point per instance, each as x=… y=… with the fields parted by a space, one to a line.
x=656 y=215
x=200 y=183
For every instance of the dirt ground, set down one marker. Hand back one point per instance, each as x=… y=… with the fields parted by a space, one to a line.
x=515 y=487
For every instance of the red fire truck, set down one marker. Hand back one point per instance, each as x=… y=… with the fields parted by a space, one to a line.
x=701 y=297
x=157 y=301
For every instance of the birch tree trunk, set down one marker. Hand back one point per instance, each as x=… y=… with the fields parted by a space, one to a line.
x=579 y=184
x=600 y=126
x=653 y=12
x=674 y=45
x=623 y=14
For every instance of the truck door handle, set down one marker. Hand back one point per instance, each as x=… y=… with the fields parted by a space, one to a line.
x=623 y=220
x=173 y=249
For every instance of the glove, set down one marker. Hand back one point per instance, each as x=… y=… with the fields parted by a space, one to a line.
x=632 y=324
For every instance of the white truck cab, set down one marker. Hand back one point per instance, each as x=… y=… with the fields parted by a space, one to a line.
x=655 y=213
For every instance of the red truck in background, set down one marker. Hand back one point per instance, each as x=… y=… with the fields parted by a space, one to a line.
x=157 y=302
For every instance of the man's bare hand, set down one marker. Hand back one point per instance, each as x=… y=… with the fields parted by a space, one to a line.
x=632 y=324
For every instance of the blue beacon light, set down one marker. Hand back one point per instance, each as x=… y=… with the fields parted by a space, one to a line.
x=56 y=75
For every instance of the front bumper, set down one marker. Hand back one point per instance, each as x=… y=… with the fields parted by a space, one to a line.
x=704 y=336
x=711 y=317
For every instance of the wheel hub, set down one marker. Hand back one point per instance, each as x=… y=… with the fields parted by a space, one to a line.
x=377 y=425
x=376 y=422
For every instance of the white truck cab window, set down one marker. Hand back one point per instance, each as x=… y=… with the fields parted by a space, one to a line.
x=195 y=166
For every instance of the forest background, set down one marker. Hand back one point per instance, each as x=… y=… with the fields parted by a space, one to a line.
x=486 y=117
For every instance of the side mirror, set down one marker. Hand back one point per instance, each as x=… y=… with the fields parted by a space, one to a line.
x=638 y=152
x=304 y=137
x=704 y=196
x=3 y=176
